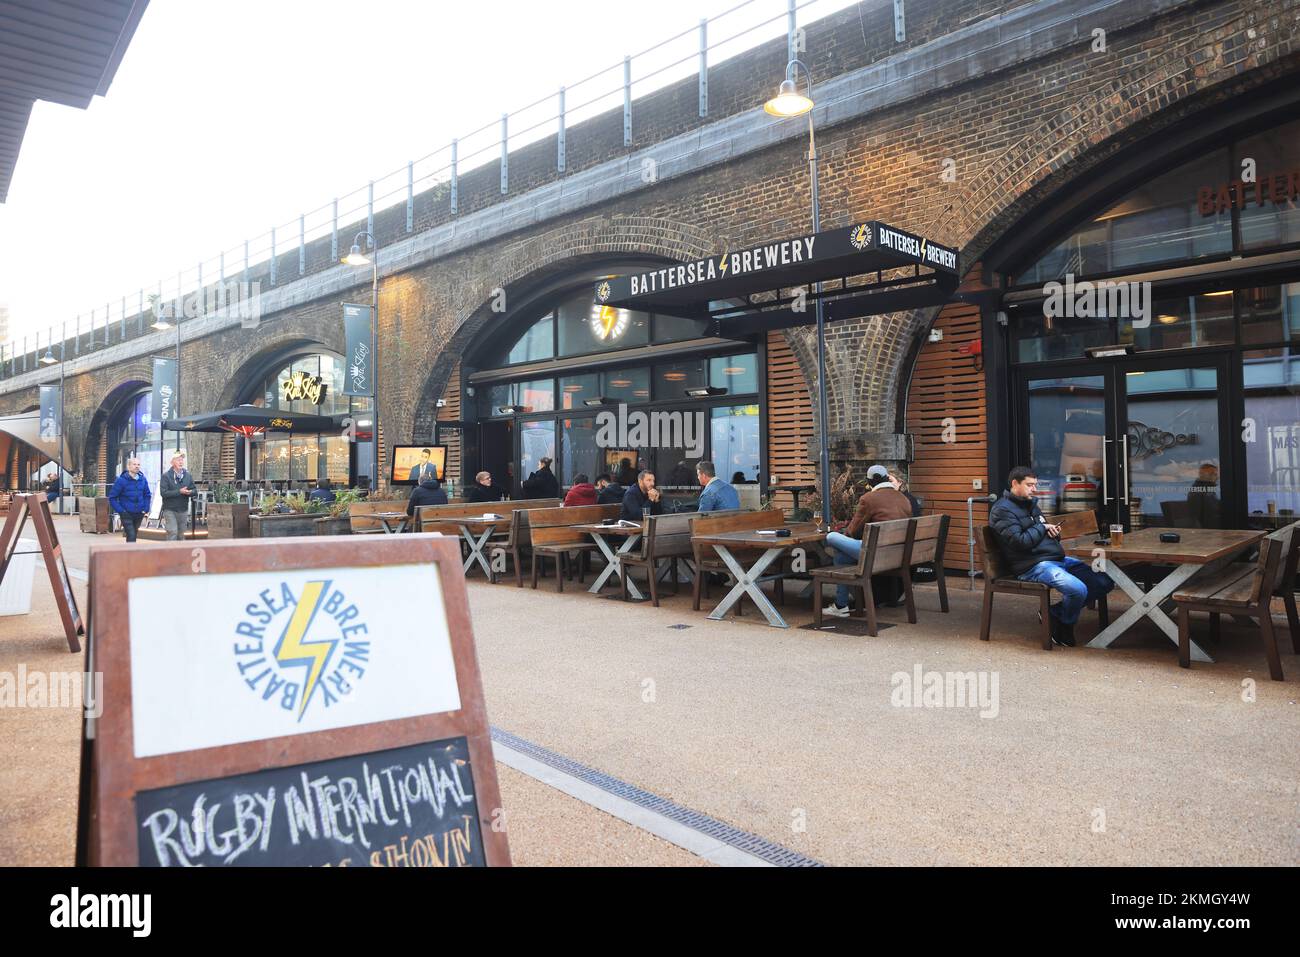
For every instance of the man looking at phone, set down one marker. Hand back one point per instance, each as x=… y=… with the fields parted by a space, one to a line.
x=1032 y=549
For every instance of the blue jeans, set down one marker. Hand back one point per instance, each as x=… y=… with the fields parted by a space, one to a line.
x=844 y=551
x=1075 y=580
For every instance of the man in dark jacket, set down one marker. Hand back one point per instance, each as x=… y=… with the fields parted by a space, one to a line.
x=1033 y=552
x=177 y=489
x=542 y=483
x=483 y=489
x=428 y=492
x=130 y=498
x=643 y=495
x=323 y=492
x=608 y=492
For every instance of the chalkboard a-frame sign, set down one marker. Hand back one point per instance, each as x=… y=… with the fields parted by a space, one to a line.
x=297 y=702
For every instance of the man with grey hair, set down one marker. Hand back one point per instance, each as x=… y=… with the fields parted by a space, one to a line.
x=130 y=497
x=177 y=488
x=483 y=489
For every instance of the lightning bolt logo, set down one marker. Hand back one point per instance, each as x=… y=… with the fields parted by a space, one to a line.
x=923 y=243
x=293 y=650
x=607 y=319
x=723 y=264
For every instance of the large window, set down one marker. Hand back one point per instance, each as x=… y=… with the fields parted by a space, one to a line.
x=132 y=432
x=306 y=458
x=1272 y=431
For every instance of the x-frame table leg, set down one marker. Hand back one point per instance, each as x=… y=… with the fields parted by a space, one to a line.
x=1147 y=605
x=476 y=548
x=747 y=583
x=613 y=562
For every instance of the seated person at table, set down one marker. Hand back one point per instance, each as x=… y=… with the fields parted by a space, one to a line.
x=582 y=492
x=608 y=492
x=428 y=492
x=1033 y=552
x=642 y=495
x=322 y=492
x=483 y=489
x=883 y=503
x=717 y=494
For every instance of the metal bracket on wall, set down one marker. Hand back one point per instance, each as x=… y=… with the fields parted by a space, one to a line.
x=900 y=27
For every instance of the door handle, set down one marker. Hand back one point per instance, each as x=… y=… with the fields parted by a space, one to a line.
x=1105 y=473
x=1124 y=486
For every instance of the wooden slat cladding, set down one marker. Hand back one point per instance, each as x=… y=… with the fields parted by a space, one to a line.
x=946 y=385
x=451 y=413
x=226 y=466
x=789 y=422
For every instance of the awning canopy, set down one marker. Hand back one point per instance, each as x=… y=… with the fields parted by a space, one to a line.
x=866 y=269
x=253 y=419
x=26 y=427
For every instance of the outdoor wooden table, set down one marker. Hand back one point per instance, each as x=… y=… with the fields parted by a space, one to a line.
x=614 y=559
x=1199 y=549
x=394 y=523
x=484 y=527
x=748 y=581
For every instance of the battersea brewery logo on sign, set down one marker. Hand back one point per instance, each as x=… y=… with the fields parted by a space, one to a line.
x=220 y=659
x=303 y=647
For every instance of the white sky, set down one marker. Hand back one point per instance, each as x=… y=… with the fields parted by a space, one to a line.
x=227 y=118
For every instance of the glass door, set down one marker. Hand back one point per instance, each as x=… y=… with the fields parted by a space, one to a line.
x=1172 y=461
x=1139 y=441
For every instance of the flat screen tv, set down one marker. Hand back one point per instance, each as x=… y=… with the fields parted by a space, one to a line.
x=408 y=459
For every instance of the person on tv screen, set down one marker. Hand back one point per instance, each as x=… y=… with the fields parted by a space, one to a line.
x=425 y=468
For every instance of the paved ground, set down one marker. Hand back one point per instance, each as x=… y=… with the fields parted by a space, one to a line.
x=1093 y=757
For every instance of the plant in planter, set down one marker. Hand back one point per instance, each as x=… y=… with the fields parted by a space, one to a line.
x=283 y=516
x=93 y=511
x=337 y=519
x=227 y=515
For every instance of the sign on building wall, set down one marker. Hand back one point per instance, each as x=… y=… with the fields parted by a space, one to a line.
x=51 y=423
x=360 y=351
x=313 y=703
x=164 y=389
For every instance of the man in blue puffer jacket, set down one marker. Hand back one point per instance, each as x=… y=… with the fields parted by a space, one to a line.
x=1033 y=551
x=130 y=498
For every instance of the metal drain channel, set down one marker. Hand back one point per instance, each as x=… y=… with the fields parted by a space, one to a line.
x=752 y=844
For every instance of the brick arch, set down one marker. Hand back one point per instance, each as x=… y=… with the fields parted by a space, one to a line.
x=95 y=429
x=520 y=269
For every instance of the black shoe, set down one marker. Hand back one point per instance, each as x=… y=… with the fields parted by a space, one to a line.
x=1062 y=634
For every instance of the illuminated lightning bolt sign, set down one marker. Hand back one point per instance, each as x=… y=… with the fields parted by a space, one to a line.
x=608 y=317
x=293 y=650
x=723 y=264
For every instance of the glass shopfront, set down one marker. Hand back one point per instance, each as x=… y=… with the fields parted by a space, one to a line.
x=133 y=433
x=295 y=387
x=700 y=401
x=1189 y=415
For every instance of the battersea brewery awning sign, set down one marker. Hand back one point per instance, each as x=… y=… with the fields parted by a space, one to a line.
x=864 y=247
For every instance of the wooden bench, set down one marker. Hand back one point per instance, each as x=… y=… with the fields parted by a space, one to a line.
x=707 y=560
x=886 y=550
x=667 y=537
x=442 y=518
x=928 y=543
x=552 y=533
x=1242 y=588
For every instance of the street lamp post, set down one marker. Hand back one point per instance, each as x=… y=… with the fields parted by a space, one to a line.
x=789 y=102
x=356 y=257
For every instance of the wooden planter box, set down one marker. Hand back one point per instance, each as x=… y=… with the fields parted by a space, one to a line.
x=94 y=514
x=228 y=520
x=334 y=526
x=282 y=526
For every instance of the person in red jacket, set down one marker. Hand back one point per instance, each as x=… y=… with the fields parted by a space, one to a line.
x=582 y=492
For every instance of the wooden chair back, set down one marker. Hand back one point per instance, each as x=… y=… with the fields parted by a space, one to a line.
x=995 y=563
x=554 y=526
x=929 y=539
x=668 y=535
x=886 y=546
x=1274 y=553
x=359 y=515
x=441 y=518
x=1292 y=563
x=710 y=523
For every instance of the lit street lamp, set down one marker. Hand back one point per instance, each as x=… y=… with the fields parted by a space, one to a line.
x=789 y=102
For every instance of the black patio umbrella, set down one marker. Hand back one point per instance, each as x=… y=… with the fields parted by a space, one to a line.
x=249 y=420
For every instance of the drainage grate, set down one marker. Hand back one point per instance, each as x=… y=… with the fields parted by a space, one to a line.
x=750 y=843
x=678 y=627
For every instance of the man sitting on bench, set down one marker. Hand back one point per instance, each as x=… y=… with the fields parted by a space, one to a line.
x=1033 y=552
